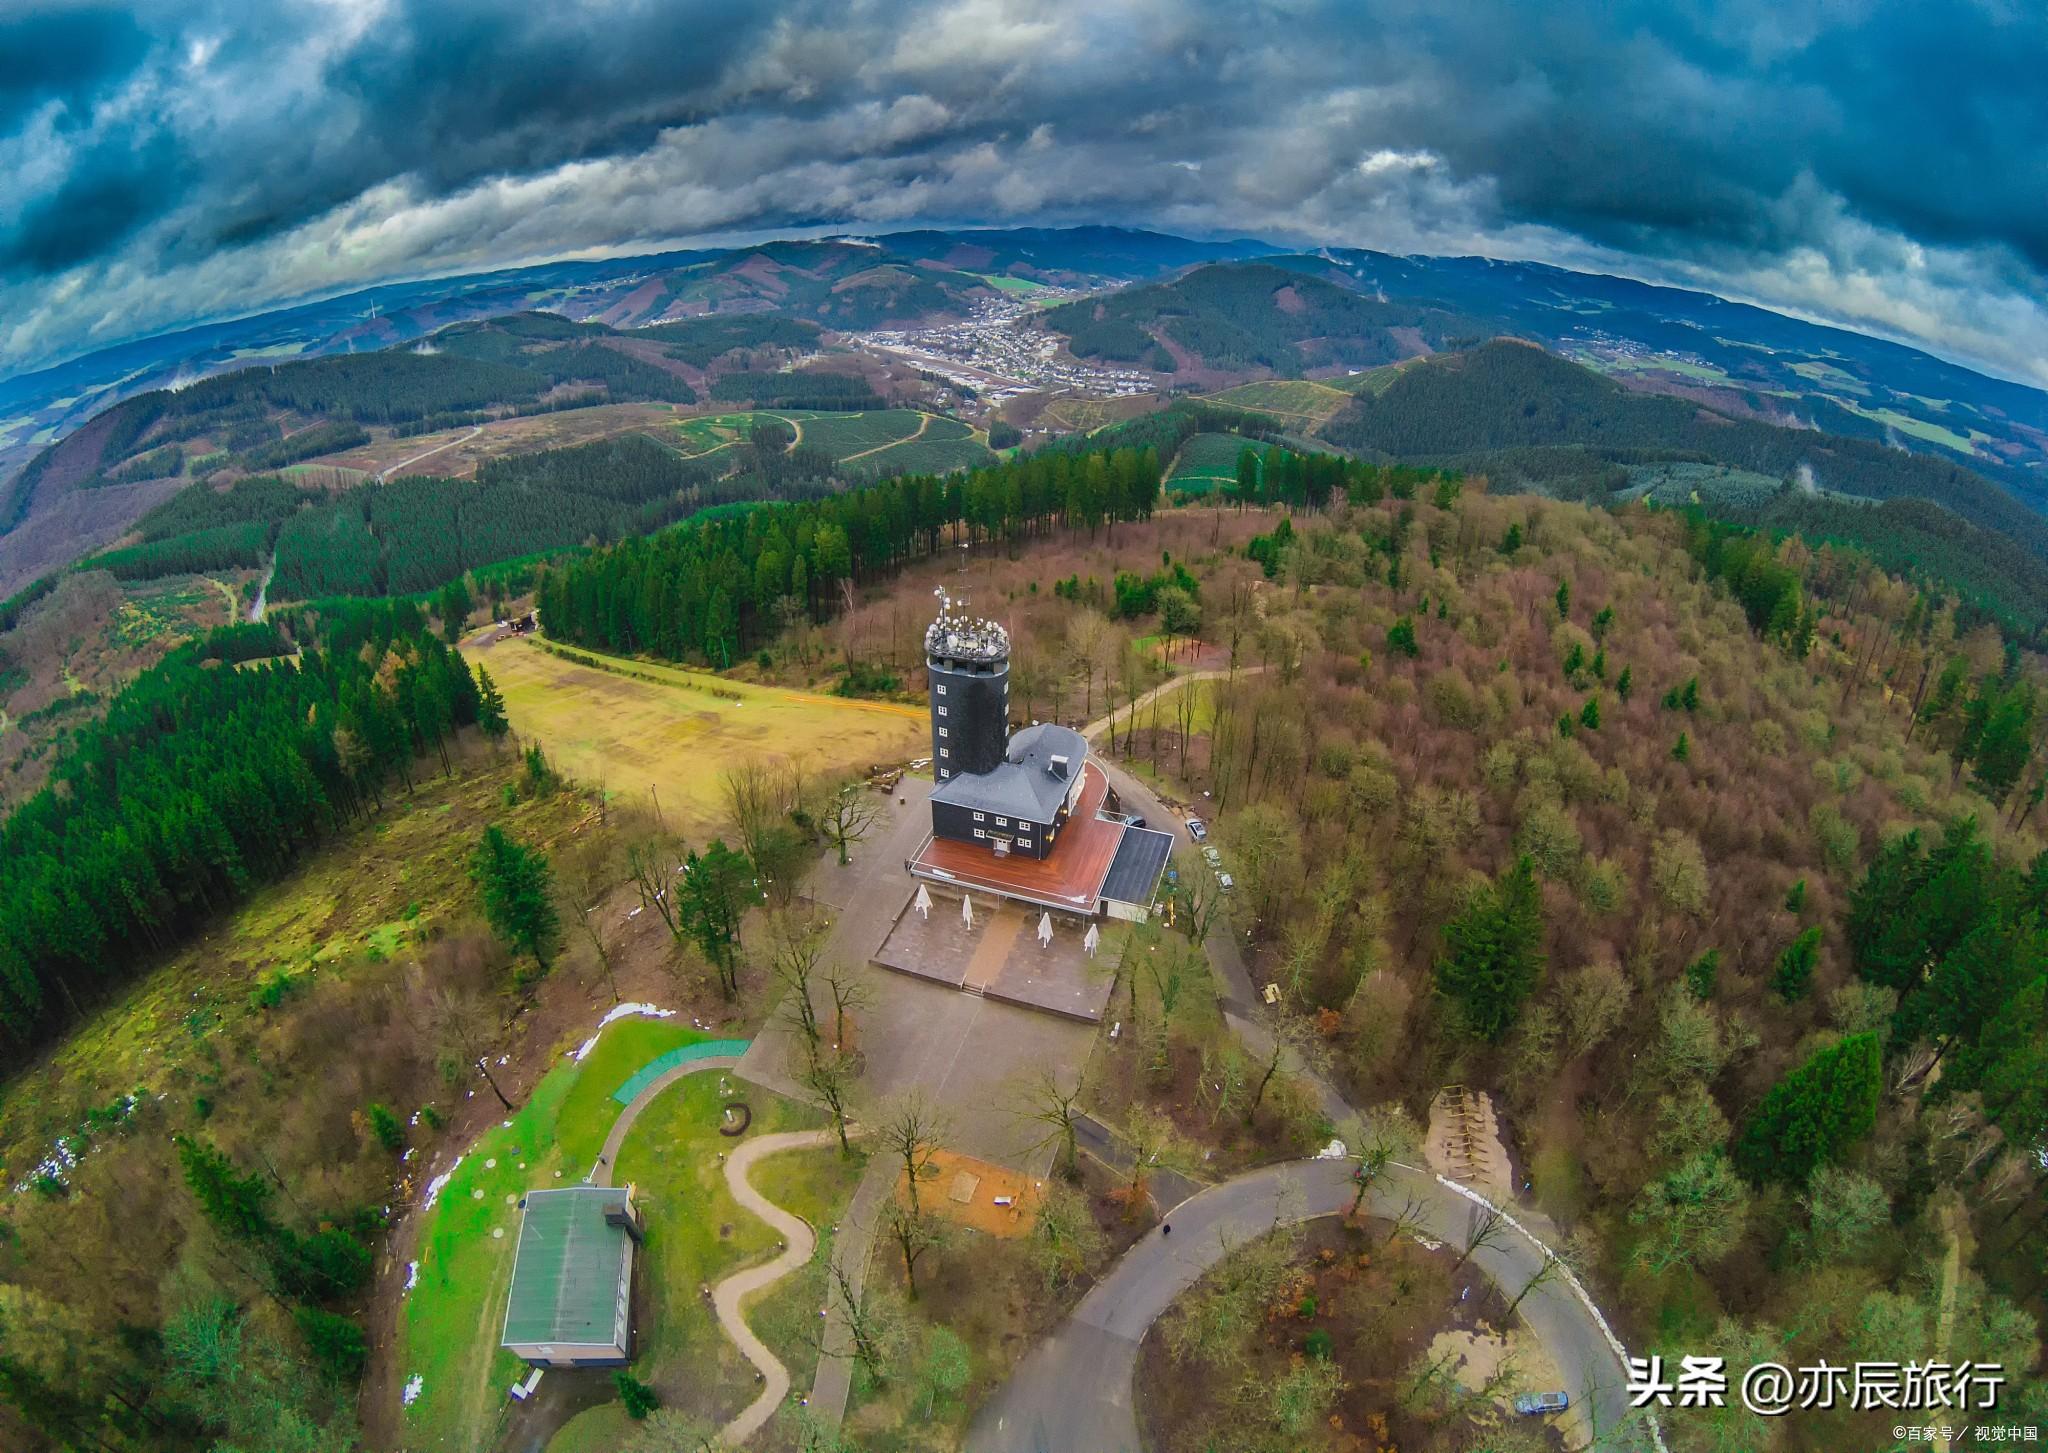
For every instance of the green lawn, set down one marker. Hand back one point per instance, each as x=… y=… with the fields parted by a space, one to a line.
x=1205 y=462
x=452 y=1317
x=696 y=1236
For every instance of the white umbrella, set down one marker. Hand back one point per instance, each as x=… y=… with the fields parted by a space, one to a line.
x=967 y=910
x=1045 y=930
x=924 y=902
x=1093 y=941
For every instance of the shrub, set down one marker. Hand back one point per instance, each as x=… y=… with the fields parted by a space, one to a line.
x=1319 y=1345
x=335 y=1343
x=639 y=1398
x=390 y=1132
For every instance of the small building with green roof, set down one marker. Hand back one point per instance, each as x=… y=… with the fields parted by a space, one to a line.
x=571 y=1303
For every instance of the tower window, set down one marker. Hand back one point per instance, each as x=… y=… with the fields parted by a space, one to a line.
x=980 y=817
x=942 y=688
x=942 y=731
x=945 y=751
x=942 y=711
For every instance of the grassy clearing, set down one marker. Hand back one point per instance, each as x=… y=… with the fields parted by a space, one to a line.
x=906 y=439
x=1371 y=381
x=673 y=731
x=1019 y=285
x=378 y=888
x=1313 y=404
x=1205 y=462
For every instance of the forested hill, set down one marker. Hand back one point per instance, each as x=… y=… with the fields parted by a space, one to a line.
x=1509 y=396
x=200 y=783
x=1244 y=317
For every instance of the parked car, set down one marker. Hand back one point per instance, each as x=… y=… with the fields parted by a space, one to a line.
x=1226 y=882
x=1213 y=858
x=1535 y=1404
x=1197 y=831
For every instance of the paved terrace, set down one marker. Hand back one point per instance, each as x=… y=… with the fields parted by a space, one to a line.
x=999 y=955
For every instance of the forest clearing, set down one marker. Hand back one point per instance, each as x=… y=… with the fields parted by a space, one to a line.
x=670 y=732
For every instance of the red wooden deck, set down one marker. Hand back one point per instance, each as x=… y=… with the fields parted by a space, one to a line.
x=1070 y=877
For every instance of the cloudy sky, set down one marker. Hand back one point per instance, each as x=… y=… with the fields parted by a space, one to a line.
x=1882 y=165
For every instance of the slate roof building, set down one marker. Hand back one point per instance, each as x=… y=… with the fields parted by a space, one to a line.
x=1028 y=816
x=572 y=1281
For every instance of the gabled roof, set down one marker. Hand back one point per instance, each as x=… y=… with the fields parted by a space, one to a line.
x=1024 y=785
x=565 y=1280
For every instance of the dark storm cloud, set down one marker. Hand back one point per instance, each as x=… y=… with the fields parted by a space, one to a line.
x=1881 y=164
x=63 y=55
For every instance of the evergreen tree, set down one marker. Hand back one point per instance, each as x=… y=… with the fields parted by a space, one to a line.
x=1564 y=600
x=1401 y=637
x=1813 y=1114
x=518 y=893
x=1681 y=750
x=1625 y=683
x=1795 y=897
x=238 y=1205
x=490 y=706
x=1589 y=714
x=713 y=893
x=1689 y=694
x=1493 y=952
x=1512 y=541
x=1793 y=974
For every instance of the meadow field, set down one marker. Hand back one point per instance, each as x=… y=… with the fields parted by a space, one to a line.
x=895 y=440
x=1205 y=462
x=673 y=731
x=1301 y=402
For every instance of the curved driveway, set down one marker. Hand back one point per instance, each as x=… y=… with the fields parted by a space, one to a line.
x=1074 y=1390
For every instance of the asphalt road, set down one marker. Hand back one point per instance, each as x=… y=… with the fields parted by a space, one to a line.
x=1073 y=1391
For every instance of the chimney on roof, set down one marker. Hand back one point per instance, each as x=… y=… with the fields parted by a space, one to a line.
x=1058 y=767
x=623 y=1215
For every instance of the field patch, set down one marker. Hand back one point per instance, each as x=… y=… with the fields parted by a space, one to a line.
x=672 y=731
x=1205 y=462
x=1298 y=400
x=889 y=440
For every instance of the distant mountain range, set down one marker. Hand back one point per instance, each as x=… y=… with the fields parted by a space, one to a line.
x=135 y=423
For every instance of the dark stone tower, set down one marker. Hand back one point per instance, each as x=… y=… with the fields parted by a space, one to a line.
x=967 y=663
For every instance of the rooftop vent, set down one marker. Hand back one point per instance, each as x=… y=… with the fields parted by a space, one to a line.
x=1058 y=767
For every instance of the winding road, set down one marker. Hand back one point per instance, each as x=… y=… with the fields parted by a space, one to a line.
x=1075 y=1389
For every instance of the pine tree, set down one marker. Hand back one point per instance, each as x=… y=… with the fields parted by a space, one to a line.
x=1793 y=974
x=712 y=894
x=238 y=1205
x=1814 y=1113
x=1795 y=897
x=1493 y=952
x=1564 y=600
x=1401 y=637
x=490 y=706
x=1681 y=750
x=1625 y=683
x=1589 y=714
x=518 y=893
x=1512 y=541
x=1689 y=695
